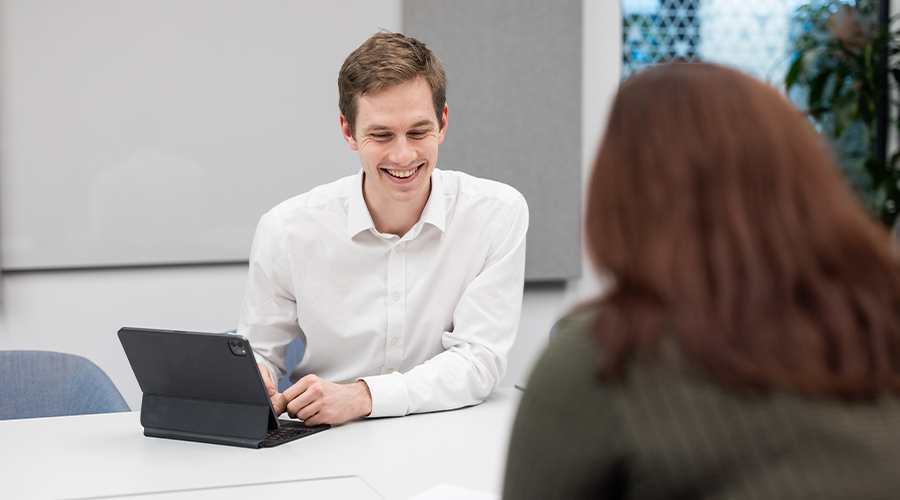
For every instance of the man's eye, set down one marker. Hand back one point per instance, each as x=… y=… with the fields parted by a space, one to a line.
x=418 y=133
x=381 y=137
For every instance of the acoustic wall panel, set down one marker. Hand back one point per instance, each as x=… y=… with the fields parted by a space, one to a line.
x=514 y=94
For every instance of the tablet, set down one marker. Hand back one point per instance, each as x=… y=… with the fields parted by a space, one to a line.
x=205 y=387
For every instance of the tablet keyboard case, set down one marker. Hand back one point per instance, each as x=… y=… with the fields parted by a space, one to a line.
x=196 y=388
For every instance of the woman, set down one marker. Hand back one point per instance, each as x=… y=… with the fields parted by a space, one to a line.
x=750 y=347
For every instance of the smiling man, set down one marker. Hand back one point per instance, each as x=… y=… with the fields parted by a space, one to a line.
x=403 y=281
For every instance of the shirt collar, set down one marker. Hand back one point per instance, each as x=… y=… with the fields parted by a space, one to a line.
x=359 y=219
x=435 y=212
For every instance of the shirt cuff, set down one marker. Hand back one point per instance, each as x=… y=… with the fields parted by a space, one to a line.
x=389 y=395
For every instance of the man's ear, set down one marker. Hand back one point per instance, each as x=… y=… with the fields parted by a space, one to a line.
x=443 y=124
x=345 y=130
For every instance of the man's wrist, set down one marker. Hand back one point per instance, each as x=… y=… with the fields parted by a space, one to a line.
x=364 y=397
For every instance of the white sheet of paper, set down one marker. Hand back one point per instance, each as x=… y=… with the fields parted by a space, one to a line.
x=333 y=488
x=450 y=492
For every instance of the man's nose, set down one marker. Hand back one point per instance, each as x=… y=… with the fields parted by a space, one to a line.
x=402 y=153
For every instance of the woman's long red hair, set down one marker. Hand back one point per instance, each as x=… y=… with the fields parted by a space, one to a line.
x=723 y=220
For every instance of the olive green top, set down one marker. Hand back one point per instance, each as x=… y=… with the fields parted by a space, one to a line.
x=662 y=433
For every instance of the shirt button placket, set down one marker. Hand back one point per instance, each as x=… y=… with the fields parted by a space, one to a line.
x=396 y=313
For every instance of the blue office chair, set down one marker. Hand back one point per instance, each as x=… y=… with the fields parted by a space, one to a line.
x=554 y=328
x=51 y=384
x=295 y=351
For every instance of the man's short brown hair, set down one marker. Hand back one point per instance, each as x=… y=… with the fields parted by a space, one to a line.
x=388 y=59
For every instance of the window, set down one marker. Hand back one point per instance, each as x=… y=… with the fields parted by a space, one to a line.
x=751 y=35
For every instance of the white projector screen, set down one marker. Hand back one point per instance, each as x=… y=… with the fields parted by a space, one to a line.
x=144 y=132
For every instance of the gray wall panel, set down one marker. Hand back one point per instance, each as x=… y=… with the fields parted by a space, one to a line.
x=514 y=92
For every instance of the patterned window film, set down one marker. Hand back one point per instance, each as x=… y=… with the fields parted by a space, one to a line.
x=751 y=35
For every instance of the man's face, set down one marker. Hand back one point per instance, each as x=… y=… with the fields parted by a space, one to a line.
x=397 y=136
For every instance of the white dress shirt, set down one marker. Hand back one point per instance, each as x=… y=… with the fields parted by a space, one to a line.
x=426 y=320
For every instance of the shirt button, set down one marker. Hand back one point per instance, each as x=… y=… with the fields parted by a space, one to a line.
x=390 y=370
x=396 y=295
x=394 y=341
x=398 y=248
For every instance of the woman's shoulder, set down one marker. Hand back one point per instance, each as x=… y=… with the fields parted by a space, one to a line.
x=577 y=326
x=569 y=364
x=574 y=330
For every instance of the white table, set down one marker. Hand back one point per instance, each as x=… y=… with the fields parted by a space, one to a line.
x=107 y=455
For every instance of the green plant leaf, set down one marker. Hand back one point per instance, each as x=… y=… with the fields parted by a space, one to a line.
x=816 y=91
x=842 y=81
x=794 y=72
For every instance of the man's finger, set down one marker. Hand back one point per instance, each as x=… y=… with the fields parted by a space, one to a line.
x=314 y=420
x=279 y=404
x=300 y=387
x=305 y=412
x=302 y=405
x=270 y=387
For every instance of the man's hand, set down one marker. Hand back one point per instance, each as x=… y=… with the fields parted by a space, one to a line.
x=278 y=401
x=318 y=401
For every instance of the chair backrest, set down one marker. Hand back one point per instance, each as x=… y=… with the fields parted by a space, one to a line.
x=50 y=384
x=295 y=351
x=553 y=329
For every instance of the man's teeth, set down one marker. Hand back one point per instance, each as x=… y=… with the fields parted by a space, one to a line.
x=401 y=174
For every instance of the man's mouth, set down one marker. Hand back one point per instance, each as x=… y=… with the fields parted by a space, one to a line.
x=401 y=174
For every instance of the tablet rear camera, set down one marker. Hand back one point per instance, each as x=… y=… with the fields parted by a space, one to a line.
x=237 y=348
